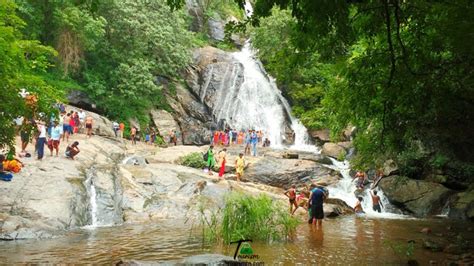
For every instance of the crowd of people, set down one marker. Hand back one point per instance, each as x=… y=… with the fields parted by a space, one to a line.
x=312 y=198
x=54 y=131
x=250 y=138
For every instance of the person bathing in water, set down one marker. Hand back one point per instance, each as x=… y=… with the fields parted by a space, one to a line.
x=358 y=207
x=291 y=194
x=302 y=200
x=376 y=202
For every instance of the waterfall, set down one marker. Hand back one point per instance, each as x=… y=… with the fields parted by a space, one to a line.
x=257 y=103
x=254 y=100
x=92 y=198
x=345 y=189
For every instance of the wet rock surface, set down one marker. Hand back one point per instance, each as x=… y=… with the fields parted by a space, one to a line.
x=415 y=196
x=334 y=150
x=287 y=172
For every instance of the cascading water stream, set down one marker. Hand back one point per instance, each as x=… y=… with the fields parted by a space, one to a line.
x=92 y=199
x=345 y=190
x=258 y=104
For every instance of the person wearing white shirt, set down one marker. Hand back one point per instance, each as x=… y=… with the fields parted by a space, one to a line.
x=41 y=139
x=82 y=118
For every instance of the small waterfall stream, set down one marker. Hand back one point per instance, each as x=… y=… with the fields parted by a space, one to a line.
x=345 y=190
x=91 y=191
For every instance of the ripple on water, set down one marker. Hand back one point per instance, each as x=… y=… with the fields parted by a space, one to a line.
x=347 y=240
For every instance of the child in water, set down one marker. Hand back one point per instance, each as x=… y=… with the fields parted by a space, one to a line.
x=291 y=194
x=358 y=207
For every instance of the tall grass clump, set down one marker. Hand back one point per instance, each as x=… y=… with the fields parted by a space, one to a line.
x=248 y=217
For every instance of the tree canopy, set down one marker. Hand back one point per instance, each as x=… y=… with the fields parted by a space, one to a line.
x=400 y=71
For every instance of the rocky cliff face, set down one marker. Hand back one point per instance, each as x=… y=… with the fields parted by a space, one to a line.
x=195 y=103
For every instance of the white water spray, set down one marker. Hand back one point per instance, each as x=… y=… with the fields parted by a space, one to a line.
x=92 y=200
x=345 y=190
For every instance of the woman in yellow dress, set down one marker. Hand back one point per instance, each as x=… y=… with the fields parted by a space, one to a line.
x=239 y=166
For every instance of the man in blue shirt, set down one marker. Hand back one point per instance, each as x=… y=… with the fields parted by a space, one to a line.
x=247 y=142
x=254 y=141
x=316 y=199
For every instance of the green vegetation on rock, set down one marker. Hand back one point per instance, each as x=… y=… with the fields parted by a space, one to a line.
x=194 y=160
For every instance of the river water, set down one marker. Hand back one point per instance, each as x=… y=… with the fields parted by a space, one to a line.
x=346 y=240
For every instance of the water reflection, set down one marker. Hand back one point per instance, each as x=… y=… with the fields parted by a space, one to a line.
x=349 y=240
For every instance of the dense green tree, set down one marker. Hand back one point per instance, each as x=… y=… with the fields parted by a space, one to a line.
x=112 y=49
x=401 y=72
x=22 y=64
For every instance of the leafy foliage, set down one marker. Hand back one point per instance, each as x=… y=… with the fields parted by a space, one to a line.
x=22 y=64
x=257 y=218
x=247 y=217
x=401 y=72
x=113 y=49
x=193 y=160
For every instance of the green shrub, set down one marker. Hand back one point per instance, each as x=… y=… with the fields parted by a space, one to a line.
x=412 y=163
x=439 y=161
x=193 y=160
x=249 y=217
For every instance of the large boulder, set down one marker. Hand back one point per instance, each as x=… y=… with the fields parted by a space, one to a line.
x=390 y=168
x=461 y=206
x=212 y=72
x=196 y=13
x=415 y=196
x=193 y=117
x=80 y=99
x=286 y=172
x=165 y=123
x=101 y=125
x=50 y=196
x=321 y=136
x=333 y=150
x=335 y=207
x=216 y=29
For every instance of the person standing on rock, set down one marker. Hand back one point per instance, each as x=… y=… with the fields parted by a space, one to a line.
x=291 y=194
x=55 y=138
x=133 y=135
x=316 y=199
x=210 y=159
x=25 y=134
x=82 y=119
x=89 y=121
x=222 y=160
x=173 y=137
x=41 y=139
x=376 y=202
x=115 y=127
x=239 y=166
x=121 y=130
x=66 y=126
x=254 y=141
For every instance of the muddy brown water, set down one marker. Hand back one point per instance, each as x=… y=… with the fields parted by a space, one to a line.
x=349 y=240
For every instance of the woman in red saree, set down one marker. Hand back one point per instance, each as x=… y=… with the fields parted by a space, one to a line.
x=222 y=160
x=216 y=138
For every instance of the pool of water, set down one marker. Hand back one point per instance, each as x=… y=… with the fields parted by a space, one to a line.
x=348 y=240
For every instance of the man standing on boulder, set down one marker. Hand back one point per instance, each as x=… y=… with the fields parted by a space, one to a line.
x=89 y=121
x=254 y=141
